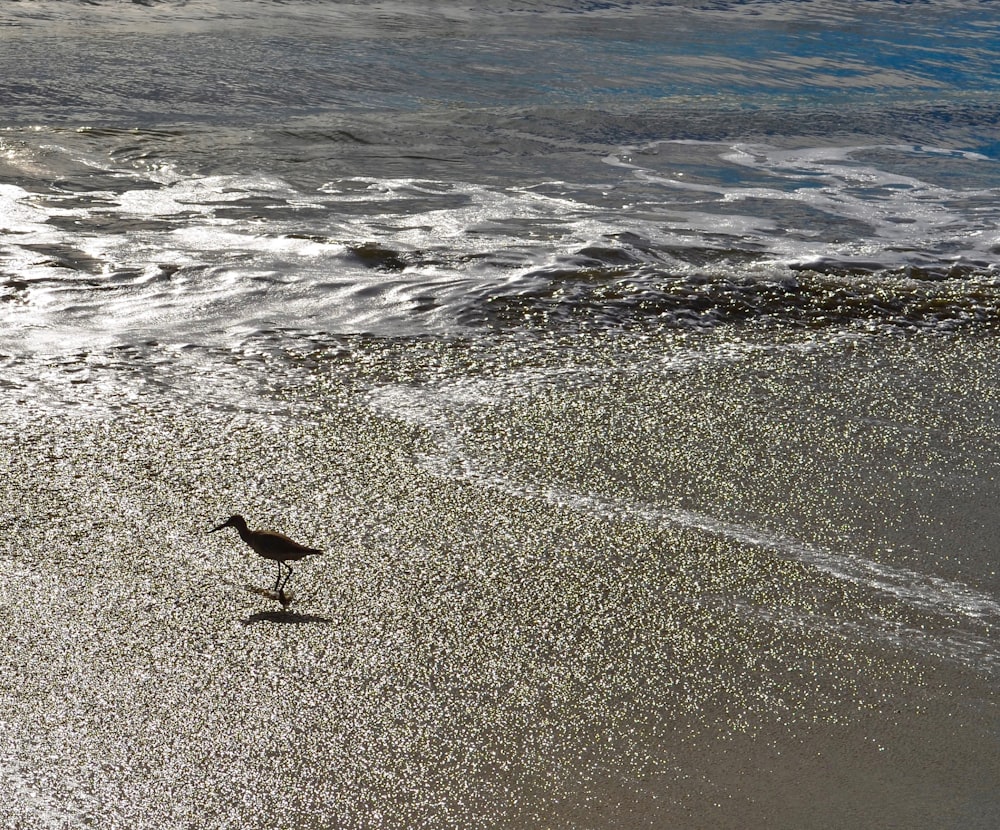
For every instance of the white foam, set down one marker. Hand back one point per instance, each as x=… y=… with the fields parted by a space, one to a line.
x=20 y=212
x=902 y=213
x=468 y=240
x=440 y=410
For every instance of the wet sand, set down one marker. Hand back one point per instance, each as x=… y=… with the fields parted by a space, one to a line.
x=468 y=653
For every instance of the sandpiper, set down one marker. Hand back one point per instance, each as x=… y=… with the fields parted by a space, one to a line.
x=274 y=546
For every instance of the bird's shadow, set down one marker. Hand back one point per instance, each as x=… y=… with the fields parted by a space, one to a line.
x=284 y=616
x=287 y=618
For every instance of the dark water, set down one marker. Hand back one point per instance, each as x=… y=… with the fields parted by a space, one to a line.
x=636 y=360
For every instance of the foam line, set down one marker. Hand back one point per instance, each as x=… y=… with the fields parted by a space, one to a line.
x=438 y=409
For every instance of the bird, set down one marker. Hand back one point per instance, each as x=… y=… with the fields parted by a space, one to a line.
x=271 y=545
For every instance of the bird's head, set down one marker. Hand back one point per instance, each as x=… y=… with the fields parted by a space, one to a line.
x=236 y=521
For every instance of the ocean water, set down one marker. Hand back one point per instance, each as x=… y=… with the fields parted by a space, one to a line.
x=634 y=362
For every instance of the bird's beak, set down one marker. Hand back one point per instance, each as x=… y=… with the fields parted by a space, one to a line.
x=224 y=524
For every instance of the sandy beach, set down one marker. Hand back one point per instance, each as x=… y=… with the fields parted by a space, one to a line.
x=492 y=639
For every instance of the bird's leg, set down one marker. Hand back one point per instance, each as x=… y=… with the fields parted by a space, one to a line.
x=277 y=581
x=281 y=588
x=288 y=575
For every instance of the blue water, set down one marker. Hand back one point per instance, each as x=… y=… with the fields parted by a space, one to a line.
x=249 y=62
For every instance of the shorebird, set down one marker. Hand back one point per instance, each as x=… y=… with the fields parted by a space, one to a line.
x=274 y=546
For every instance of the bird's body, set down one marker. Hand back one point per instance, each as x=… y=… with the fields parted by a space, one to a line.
x=270 y=545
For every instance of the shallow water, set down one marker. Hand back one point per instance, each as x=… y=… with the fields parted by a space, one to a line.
x=634 y=363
